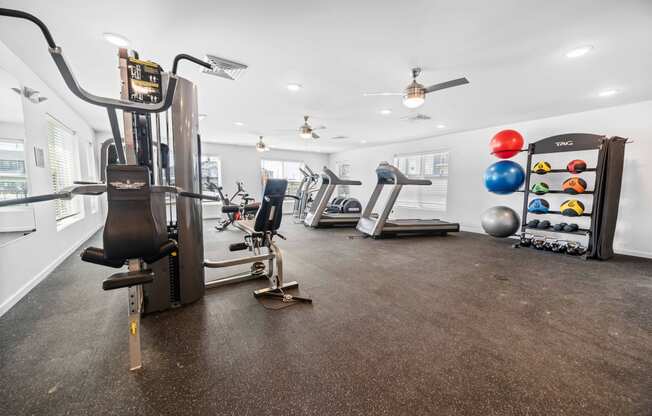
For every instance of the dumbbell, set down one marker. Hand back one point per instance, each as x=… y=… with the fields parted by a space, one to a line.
x=545 y=224
x=526 y=240
x=558 y=246
x=559 y=227
x=538 y=242
x=575 y=249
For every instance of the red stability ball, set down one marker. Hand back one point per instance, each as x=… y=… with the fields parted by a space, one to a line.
x=506 y=144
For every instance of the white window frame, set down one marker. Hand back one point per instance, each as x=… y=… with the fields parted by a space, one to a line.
x=21 y=177
x=292 y=183
x=67 y=167
x=218 y=160
x=414 y=166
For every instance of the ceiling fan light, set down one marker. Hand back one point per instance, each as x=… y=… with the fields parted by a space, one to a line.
x=413 y=101
x=305 y=135
x=415 y=95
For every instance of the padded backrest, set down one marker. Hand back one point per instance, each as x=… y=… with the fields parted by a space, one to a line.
x=270 y=212
x=131 y=230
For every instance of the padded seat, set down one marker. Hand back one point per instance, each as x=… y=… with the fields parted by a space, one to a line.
x=97 y=255
x=120 y=280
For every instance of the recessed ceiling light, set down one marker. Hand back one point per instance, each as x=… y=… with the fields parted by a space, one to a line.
x=294 y=87
x=115 y=39
x=238 y=123
x=577 y=52
x=607 y=93
x=441 y=126
x=202 y=116
x=385 y=111
x=363 y=141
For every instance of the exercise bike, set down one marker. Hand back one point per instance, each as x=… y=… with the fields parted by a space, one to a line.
x=245 y=209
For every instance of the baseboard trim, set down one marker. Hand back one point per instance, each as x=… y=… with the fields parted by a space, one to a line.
x=634 y=253
x=24 y=290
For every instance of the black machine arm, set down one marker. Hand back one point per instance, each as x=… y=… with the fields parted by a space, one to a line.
x=186 y=194
x=73 y=85
x=111 y=104
x=190 y=58
x=66 y=193
x=97 y=189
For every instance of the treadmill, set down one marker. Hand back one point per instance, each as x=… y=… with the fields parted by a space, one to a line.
x=379 y=225
x=317 y=215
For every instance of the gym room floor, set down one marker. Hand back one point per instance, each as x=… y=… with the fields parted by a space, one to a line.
x=457 y=325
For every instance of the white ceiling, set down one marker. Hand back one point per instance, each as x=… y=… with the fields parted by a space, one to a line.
x=512 y=51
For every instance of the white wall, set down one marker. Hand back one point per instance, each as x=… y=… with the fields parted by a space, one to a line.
x=26 y=261
x=242 y=163
x=469 y=157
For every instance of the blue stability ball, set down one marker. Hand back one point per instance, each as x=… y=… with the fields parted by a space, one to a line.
x=504 y=177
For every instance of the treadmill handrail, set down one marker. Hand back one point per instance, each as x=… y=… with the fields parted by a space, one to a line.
x=391 y=175
x=335 y=180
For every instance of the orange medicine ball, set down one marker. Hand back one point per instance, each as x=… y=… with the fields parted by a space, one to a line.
x=574 y=185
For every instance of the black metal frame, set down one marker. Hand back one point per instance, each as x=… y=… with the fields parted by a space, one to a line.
x=562 y=143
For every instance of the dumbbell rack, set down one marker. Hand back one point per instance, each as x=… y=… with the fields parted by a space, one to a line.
x=563 y=143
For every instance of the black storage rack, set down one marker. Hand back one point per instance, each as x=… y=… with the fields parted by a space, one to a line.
x=559 y=144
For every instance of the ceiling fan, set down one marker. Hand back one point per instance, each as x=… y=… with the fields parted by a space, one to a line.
x=414 y=94
x=261 y=146
x=306 y=131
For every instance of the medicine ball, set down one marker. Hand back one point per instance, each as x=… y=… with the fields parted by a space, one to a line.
x=576 y=166
x=538 y=206
x=533 y=223
x=506 y=143
x=572 y=227
x=500 y=221
x=543 y=225
x=540 y=188
x=541 y=167
x=572 y=208
x=504 y=177
x=574 y=185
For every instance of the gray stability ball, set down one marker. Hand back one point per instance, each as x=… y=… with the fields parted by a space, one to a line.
x=500 y=221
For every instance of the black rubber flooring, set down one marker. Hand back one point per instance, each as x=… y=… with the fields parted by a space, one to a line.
x=457 y=325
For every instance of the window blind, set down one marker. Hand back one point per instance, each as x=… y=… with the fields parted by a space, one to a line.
x=62 y=162
x=429 y=165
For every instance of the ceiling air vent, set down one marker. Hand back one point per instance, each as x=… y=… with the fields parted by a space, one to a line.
x=224 y=68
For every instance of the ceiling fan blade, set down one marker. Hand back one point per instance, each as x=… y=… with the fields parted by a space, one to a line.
x=447 y=84
x=315 y=135
x=319 y=128
x=380 y=94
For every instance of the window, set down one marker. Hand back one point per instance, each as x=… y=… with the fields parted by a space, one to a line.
x=211 y=174
x=64 y=166
x=13 y=177
x=283 y=169
x=430 y=165
x=344 y=172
